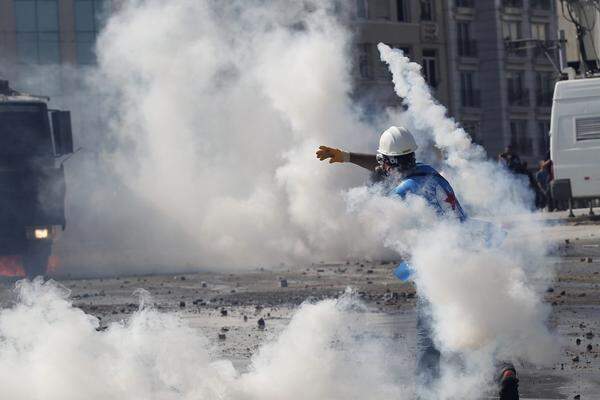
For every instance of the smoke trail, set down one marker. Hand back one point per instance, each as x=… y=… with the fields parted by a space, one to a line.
x=51 y=350
x=482 y=291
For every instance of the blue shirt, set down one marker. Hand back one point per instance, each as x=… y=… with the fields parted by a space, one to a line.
x=425 y=181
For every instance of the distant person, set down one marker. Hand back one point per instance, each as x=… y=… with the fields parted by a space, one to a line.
x=510 y=159
x=543 y=179
x=395 y=162
x=533 y=186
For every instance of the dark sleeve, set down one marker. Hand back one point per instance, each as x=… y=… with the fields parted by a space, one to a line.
x=368 y=161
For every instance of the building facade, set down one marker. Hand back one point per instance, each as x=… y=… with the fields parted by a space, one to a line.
x=415 y=26
x=503 y=68
x=38 y=34
x=587 y=15
x=484 y=59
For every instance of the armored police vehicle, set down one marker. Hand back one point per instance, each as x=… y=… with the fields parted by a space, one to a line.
x=33 y=143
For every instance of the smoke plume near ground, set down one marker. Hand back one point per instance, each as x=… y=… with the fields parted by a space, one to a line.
x=52 y=350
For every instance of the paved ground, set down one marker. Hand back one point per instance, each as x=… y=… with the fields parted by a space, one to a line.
x=202 y=298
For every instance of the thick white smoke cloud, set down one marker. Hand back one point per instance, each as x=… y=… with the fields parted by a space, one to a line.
x=212 y=113
x=51 y=350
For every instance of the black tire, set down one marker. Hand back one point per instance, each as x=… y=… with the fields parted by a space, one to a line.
x=35 y=259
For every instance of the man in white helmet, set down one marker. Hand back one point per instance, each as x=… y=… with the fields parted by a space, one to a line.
x=396 y=152
x=395 y=160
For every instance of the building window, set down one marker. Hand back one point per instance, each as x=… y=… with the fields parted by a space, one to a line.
x=544 y=88
x=90 y=16
x=427 y=10
x=361 y=9
x=379 y=9
x=403 y=10
x=541 y=4
x=429 y=68
x=469 y=95
x=511 y=30
x=466 y=46
x=543 y=141
x=464 y=3
x=518 y=95
x=364 y=61
x=519 y=139
x=37 y=28
x=539 y=31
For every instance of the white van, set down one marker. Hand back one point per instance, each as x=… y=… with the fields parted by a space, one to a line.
x=575 y=140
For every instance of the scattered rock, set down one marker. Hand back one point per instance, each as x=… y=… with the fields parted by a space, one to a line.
x=182 y=304
x=222 y=336
x=550 y=290
x=576 y=397
x=589 y=347
x=589 y=335
x=203 y=284
x=575 y=359
x=283 y=283
x=410 y=295
x=182 y=278
x=589 y=259
x=578 y=342
x=563 y=293
x=261 y=324
x=223 y=312
x=245 y=318
x=369 y=271
x=224 y=329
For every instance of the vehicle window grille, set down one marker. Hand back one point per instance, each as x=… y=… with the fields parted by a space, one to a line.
x=587 y=128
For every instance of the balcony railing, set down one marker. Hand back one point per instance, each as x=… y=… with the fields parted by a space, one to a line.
x=465 y=3
x=519 y=97
x=470 y=98
x=543 y=98
x=541 y=4
x=467 y=48
x=512 y=3
x=514 y=48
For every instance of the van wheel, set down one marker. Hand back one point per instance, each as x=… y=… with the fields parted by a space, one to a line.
x=35 y=259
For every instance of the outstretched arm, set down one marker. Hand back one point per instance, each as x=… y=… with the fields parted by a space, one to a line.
x=368 y=161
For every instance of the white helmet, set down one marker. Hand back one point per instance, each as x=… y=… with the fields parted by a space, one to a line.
x=396 y=141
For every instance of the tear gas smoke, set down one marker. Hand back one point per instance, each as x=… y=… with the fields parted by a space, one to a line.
x=209 y=160
x=52 y=350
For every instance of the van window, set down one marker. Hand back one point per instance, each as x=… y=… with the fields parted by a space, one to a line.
x=587 y=128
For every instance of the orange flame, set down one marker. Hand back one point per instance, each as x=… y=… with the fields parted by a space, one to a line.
x=11 y=266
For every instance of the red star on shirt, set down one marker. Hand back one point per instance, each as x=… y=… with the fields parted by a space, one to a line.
x=451 y=199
